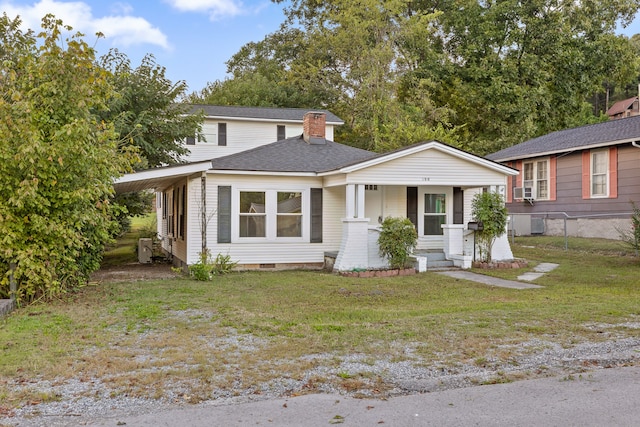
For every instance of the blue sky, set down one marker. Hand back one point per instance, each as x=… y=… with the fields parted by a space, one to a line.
x=191 y=38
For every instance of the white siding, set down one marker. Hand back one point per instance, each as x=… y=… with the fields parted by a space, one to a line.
x=241 y=135
x=428 y=167
x=276 y=252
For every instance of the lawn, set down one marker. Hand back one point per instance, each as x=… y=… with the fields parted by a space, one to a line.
x=248 y=329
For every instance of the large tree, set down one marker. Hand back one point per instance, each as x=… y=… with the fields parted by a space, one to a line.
x=479 y=74
x=58 y=161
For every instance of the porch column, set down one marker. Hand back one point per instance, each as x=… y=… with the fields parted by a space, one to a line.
x=354 y=251
x=360 y=201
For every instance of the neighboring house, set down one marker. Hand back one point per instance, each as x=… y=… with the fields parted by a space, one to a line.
x=576 y=181
x=291 y=202
x=625 y=108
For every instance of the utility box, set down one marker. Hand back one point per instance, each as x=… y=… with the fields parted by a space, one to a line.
x=145 y=250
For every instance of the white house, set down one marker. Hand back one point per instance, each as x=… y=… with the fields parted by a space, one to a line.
x=289 y=203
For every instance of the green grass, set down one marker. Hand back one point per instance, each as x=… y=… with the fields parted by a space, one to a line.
x=124 y=250
x=120 y=330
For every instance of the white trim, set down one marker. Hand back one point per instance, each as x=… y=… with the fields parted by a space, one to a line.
x=258 y=173
x=428 y=146
x=174 y=171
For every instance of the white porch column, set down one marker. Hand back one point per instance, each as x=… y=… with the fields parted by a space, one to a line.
x=354 y=251
x=360 y=201
x=354 y=247
x=350 y=201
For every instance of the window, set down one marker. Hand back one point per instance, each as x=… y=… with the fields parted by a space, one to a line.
x=252 y=214
x=599 y=172
x=289 y=216
x=222 y=134
x=434 y=214
x=536 y=176
x=281 y=134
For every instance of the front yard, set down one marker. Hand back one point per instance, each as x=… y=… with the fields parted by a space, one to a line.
x=263 y=333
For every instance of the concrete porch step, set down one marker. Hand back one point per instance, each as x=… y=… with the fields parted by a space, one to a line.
x=435 y=260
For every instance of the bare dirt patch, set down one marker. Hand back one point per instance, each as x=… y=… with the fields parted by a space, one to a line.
x=134 y=272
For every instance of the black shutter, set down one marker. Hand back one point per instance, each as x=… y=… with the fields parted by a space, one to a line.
x=191 y=140
x=316 y=215
x=412 y=205
x=222 y=134
x=458 y=205
x=282 y=134
x=224 y=214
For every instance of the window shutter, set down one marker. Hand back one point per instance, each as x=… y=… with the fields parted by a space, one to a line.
x=412 y=205
x=316 y=215
x=613 y=172
x=553 y=162
x=224 y=214
x=191 y=140
x=281 y=133
x=586 y=174
x=222 y=134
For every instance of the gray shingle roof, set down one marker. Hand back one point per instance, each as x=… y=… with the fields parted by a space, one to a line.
x=599 y=134
x=293 y=155
x=265 y=113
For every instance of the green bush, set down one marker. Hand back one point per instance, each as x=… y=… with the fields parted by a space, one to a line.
x=397 y=240
x=489 y=209
x=207 y=267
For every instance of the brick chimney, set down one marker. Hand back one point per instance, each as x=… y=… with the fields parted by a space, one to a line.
x=313 y=127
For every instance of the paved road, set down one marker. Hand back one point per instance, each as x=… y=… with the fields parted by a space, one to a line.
x=606 y=397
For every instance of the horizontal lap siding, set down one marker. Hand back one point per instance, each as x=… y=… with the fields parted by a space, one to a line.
x=569 y=187
x=429 y=167
x=241 y=136
x=274 y=252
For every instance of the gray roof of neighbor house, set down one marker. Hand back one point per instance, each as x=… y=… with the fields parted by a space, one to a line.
x=596 y=135
x=263 y=113
x=293 y=155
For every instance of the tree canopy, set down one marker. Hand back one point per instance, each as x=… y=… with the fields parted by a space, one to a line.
x=479 y=74
x=58 y=160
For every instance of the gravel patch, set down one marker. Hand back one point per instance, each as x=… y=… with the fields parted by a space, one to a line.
x=76 y=402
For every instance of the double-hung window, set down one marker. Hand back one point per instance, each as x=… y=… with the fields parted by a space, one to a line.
x=270 y=214
x=434 y=214
x=599 y=173
x=536 y=177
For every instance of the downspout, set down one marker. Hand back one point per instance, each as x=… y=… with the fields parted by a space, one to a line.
x=635 y=144
x=203 y=211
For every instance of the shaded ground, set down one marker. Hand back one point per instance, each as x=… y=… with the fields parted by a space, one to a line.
x=134 y=272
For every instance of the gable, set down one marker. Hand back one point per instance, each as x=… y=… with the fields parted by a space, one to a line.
x=433 y=166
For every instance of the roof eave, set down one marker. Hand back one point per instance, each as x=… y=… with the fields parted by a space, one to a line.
x=567 y=150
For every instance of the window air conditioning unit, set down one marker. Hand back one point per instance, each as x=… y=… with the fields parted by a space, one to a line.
x=525 y=193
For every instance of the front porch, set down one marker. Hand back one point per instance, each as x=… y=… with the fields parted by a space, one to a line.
x=440 y=214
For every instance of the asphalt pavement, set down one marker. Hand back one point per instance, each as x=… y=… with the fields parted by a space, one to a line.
x=605 y=397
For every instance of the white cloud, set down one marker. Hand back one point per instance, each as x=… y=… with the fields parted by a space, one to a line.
x=119 y=28
x=216 y=9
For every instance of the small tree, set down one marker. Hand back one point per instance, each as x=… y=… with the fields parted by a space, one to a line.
x=489 y=209
x=397 y=240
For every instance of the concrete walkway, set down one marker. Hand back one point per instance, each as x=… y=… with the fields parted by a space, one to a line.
x=488 y=280
x=538 y=271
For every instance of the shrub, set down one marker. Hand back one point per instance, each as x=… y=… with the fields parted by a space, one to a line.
x=397 y=240
x=489 y=209
x=207 y=267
